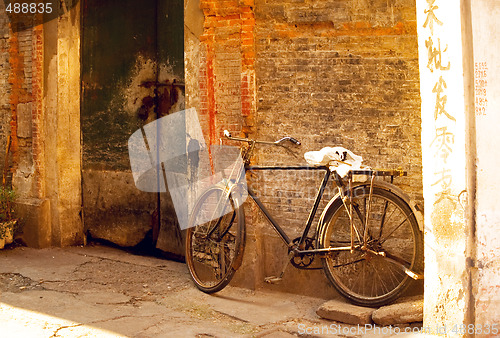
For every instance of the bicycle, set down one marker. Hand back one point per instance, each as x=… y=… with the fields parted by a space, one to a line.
x=368 y=236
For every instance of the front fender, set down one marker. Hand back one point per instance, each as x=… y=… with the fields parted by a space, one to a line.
x=237 y=191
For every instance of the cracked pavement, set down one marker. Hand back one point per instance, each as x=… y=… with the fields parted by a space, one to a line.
x=98 y=291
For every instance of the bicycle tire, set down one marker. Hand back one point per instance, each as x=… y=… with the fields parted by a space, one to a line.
x=363 y=277
x=212 y=261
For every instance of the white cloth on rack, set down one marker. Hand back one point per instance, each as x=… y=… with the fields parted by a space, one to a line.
x=339 y=159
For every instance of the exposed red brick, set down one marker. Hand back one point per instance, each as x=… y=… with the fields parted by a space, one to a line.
x=37 y=94
x=16 y=79
x=228 y=38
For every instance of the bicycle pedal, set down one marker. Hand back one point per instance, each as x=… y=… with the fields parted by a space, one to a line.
x=272 y=279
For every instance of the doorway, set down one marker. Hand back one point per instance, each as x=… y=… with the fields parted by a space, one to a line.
x=132 y=74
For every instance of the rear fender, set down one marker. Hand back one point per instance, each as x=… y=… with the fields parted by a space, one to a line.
x=414 y=206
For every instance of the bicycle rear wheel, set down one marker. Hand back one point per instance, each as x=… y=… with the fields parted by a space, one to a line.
x=215 y=239
x=373 y=275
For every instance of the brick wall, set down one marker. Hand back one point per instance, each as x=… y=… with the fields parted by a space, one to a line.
x=22 y=97
x=227 y=75
x=42 y=74
x=336 y=73
x=24 y=105
x=342 y=72
x=5 y=87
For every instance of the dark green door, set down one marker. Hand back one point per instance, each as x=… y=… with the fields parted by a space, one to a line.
x=132 y=73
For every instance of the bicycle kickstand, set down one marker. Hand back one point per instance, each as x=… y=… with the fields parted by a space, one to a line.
x=274 y=279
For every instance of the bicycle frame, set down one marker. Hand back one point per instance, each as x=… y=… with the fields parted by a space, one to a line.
x=246 y=154
x=212 y=260
x=312 y=213
x=319 y=195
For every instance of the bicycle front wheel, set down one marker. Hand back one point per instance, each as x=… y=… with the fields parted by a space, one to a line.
x=372 y=274
x=215 y=239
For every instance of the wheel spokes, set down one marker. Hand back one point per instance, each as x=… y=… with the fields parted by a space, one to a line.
x=375 y=270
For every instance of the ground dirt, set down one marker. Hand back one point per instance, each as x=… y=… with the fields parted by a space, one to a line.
x=98 y=291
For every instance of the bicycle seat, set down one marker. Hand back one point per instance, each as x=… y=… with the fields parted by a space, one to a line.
x=339 y=159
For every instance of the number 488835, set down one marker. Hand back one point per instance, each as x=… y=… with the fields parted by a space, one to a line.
x=29 y=8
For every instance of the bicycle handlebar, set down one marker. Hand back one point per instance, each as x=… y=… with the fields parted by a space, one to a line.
x=291 y=139
x=227 y=134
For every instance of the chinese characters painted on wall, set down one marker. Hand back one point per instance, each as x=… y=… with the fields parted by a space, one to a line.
x=444 y=119
x=480 y=84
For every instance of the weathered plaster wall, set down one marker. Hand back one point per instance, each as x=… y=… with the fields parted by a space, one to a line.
x=44 y=107
x=447 y=144
x=193 y=29
x=485 y=30
x=459 y=89
x=66 y=201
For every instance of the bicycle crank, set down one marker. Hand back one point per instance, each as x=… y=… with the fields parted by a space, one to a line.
x=302 y=260
x=277 y=279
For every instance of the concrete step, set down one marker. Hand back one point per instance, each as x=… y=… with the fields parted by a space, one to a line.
x=405 y=311
x=340 y=311
x=410 y=310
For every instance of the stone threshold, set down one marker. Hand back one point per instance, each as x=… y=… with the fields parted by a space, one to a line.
x=404 y=311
